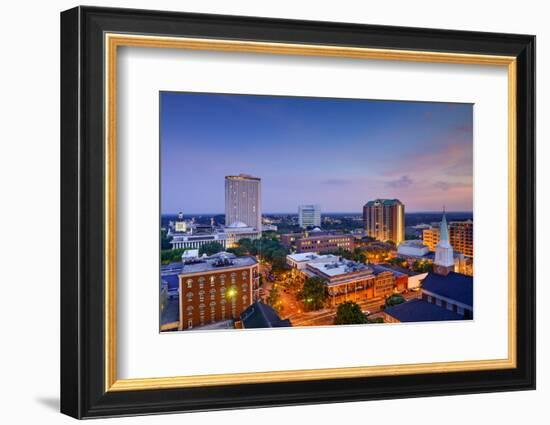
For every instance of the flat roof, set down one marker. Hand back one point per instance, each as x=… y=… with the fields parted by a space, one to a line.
x=418 y=310
x=215 y=264
x=303 y=256
x=329 y=236
x=341 y=267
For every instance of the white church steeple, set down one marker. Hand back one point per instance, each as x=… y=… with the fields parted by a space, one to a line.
x=444 y=257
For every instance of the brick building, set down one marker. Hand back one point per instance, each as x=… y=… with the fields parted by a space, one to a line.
x=216 y=288
x=325 y=243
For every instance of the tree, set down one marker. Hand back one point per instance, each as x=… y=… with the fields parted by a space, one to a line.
x=273 y=299
x=314 y=293
x=349 y=313
x=397 y=261
x=210 y=248
x=168 y=256
x=394 y=300
x=422 y=266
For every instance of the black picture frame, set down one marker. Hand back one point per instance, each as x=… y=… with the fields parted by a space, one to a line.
x=82 y=212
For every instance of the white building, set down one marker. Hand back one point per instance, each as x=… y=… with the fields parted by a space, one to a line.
x=237 y=231
x=444 y=257
x=243 y=194
x=191 y=241
x=300 y=260
x=309 y=216
x=181 y=224
x=412 y=248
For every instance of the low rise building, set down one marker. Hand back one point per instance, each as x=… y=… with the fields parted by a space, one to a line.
x=237 y=231
x=288 y=240
x=325 y=243
x=196 y=241
x=214 y=289
x=412 y=249
x=227 y=236
x=300 y=260
x=348 y=280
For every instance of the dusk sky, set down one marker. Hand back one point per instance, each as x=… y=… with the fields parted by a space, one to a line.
x=338 y=153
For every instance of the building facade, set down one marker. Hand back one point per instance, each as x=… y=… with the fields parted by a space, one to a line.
x=192 y=241
x=309 y=216
x=325 y=243
x=384 y=220
x=348 y=280
x=215 y=289
x=243 y=194
x=461 y=237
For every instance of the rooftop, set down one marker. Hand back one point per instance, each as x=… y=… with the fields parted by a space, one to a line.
x=455 y=286
x=385 y=202
x=333 y=268
x=303 y=256
x=220 y=261
x=242 y=177
x=418 y=310
x=260 y=315
x=326 y=236
x=379 y=268
x=415 y=243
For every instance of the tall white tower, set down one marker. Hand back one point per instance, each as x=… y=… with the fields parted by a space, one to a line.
x=309 y=216
x=243 y=197
x=444 y=258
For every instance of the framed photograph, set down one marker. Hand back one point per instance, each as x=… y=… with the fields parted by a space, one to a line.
x=261 y=212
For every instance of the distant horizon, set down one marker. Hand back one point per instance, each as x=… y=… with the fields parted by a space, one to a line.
x=307 y=150
x=324 y=213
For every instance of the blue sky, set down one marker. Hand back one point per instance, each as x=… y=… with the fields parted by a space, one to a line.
x=338 y=153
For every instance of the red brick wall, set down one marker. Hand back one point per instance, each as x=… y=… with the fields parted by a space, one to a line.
x=215 y=295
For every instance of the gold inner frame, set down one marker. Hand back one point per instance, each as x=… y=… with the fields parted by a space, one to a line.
x=113 y=41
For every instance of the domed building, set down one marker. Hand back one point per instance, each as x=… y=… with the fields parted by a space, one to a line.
x=237 y=231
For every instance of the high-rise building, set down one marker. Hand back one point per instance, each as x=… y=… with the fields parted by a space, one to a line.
x=444 y=256
x=309 y=216
x=243 y=195
x=461 y=237
x=384 y=220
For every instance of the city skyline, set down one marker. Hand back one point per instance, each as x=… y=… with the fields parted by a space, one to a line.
x=337 y=153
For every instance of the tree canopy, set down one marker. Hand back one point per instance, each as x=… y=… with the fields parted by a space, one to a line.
x=211 y=248
x=168 y=256
x=267 y=248
x=422 y=266
x=394 y=300
x=349 y=313
x=357 y=254
x=314 y=293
